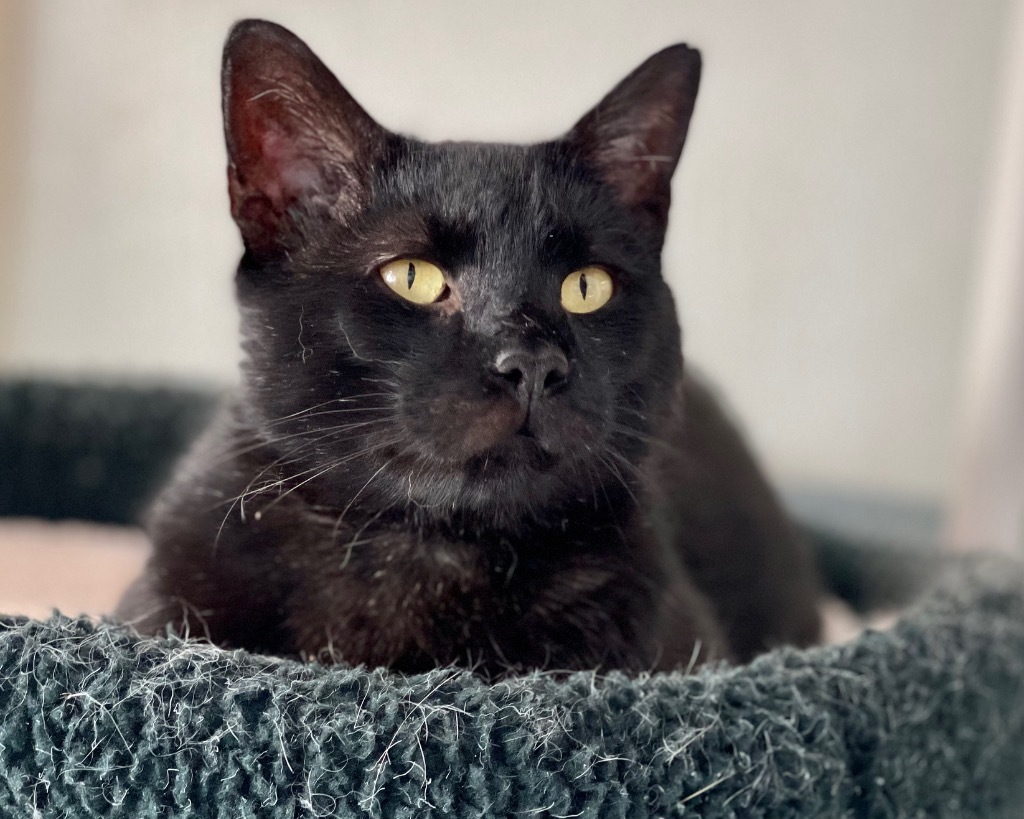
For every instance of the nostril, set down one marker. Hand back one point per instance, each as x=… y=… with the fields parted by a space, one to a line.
x=533 y=373
x=554 y=378
x=514 y=376
x=509 y=366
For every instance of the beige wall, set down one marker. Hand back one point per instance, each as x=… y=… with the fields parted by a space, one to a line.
x=13 y=87
x=987 y=501
x=823 y=240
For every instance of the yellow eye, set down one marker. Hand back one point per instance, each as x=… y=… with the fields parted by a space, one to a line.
x=414 y=280
x=586 y=290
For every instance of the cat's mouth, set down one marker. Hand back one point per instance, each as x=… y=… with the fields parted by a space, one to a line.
x=496 y=458
x=482 y=437
x=497 y=451
x=520 y=452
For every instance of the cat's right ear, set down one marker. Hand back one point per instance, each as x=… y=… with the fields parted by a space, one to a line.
x=297 y=141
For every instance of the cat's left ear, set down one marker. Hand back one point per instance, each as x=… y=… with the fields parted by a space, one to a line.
x=633 y=138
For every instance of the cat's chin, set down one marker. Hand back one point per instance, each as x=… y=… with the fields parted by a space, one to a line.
x=520 y=455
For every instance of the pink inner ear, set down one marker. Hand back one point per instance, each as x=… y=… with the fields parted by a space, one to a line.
x=639 y=165
x=264 y=146
x=282 y=173
x=272 y=168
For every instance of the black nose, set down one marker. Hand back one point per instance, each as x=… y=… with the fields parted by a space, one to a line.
x=532 y=373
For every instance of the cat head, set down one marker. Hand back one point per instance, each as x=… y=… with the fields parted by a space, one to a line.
x=462 y=328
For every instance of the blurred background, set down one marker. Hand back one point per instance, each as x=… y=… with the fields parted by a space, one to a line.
x=843 y=246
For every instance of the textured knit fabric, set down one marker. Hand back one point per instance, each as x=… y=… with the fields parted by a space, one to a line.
x=925 y=720
x=91 y=451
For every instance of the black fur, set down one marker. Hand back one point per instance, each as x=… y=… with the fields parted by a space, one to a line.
x=379 y=491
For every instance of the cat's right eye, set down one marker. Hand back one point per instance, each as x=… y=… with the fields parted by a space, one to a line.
x=415 y=280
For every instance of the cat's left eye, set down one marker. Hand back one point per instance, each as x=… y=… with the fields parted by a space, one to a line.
x=415 y=280
x=587 y=290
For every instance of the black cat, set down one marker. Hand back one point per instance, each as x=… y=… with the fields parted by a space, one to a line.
x=464 y=433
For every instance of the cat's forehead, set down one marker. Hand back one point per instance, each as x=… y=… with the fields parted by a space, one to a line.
x=516 y=187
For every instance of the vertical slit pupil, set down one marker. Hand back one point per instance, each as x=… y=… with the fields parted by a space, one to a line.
x=583 y=285
x=411 y=276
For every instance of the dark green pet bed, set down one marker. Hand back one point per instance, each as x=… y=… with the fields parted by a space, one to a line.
x=926 y=719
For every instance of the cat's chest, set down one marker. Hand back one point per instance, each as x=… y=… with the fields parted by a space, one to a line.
x=403 y=599
x=376 y=595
